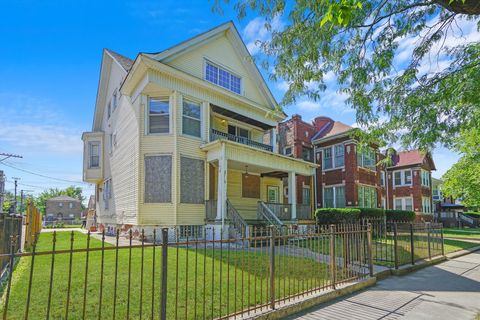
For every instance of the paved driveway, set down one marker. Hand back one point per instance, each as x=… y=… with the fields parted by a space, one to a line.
x=450 y=290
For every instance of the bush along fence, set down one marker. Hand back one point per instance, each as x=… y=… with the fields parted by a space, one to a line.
x=87 y=276
x=397 y=243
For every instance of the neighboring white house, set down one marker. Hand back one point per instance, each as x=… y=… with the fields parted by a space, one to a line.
x=187 y=136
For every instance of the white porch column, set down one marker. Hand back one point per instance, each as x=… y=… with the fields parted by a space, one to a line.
x=222 y=189
x=292 y=193
x=274 y=140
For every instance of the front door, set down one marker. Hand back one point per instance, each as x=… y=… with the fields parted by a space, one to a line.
x=273 y=194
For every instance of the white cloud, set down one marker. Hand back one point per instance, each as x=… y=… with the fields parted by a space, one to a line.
x=308 y=105
x=31 y=124
x=43 y=138
x=256 y=31
x=282 y=86
x=462 y=31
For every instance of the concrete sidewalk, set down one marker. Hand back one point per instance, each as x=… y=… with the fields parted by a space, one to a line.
x=450 y=290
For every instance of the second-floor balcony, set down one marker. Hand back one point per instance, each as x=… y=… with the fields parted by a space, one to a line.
x=218 y=135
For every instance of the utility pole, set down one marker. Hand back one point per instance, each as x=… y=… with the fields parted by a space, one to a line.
x=2 y=190
x=9 y=155
x=15 y=195
x=22 y=196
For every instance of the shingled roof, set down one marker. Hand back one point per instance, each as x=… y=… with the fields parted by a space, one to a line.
x=63 y=198
x=411 y=158
x=331 y=129
x=125 y=62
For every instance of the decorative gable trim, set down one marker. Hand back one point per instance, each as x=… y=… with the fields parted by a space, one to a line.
x=230 y=31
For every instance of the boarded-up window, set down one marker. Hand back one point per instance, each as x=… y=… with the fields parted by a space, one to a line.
x=192 y=180
x=158 y=179
x=250 y=186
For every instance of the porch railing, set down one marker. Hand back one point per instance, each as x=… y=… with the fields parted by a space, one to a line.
x=281 y=210
x=304 y=211
x=217 y=135
x=265 y=214
x=236 y=222
x=474 y=222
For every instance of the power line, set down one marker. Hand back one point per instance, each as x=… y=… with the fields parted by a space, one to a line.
x=9 y=155
x=41 y=175
x=33 y=186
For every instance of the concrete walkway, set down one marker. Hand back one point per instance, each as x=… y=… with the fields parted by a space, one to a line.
x=450 y=290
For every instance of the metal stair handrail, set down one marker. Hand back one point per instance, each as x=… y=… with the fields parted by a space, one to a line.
x=236 y=220
x=470 y=220
x=264 y=213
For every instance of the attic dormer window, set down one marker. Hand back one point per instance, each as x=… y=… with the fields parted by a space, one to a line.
x=222 y=77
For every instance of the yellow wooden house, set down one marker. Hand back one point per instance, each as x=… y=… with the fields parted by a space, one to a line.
x=188 y=136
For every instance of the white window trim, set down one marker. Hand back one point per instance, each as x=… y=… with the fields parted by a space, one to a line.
x=403 y=203
x=218 y=65
x=402 y=178
x=201 y=118
x=332 y=148
x=115 y=99
x=109 y=109
x=147 y=116
x=90 y=144
x=374 y=159
x=371 y=187
x=172 y=178
x=310 y=194
x=334 y=186
x=427 y=173
x=107 y=193
x=429 y=201
x=382 y=178
x=237 y=126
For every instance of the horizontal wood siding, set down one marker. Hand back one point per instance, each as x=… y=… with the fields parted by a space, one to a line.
x=219 y=51
x=247 y=207
x=155 y=213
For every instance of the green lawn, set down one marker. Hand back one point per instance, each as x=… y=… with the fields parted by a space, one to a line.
x=217 y=288
x=471 y=233
x=456 y=245
x=383 y=248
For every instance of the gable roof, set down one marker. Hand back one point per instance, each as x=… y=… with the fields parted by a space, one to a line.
x=129 y=65
x=225 y=28
x=412 y=158
x=108 y=57
x=125 y=63
x=334 y=128
x=63 y=198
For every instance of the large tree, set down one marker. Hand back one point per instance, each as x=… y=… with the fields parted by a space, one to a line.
x=463 y=179
x=424 y=94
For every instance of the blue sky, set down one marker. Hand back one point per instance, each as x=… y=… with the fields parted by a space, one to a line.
x=51 y=52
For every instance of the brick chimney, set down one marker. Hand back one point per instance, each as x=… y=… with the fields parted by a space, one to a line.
x=296 y=117
x=320 y=122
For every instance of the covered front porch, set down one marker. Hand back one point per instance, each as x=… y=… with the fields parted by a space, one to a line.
x=252 y=186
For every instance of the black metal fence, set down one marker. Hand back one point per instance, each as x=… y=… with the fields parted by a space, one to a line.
x=86 y=276
x=399 y=243
x=10 y=229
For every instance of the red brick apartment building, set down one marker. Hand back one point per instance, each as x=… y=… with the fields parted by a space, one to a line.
x=349 y=176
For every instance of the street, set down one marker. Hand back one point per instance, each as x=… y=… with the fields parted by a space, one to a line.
x=450 y=290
